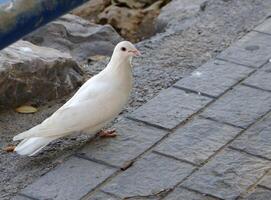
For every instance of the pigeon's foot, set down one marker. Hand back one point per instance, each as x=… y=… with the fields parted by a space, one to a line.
x=107 y=133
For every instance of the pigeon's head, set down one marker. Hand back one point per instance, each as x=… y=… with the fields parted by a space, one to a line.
x=126 y=49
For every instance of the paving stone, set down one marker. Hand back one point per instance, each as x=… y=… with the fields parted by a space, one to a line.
x=261 y=79
x=102 y=196
x=198 y=140
x=184 y=194
x=265 y=27
x=170 y=108
x=259 y=194
x=266 y=182
x=150 y=175
x=214 y=77
x=241 y=106
x=228 y=175
x=256 y=140
x=19 y=197
x=251 y=50
x=71 y=180
x=133 y=139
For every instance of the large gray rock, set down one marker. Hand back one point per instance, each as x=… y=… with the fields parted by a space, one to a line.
x=76 y=36
x=179 y=14
x=32 y=73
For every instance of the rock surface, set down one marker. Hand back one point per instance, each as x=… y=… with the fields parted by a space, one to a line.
x=134 y=20
x=91 y=9
x=32 y=73
x=179 y=14
x=76 y=36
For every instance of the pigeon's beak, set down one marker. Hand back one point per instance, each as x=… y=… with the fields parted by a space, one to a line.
x=135 y=52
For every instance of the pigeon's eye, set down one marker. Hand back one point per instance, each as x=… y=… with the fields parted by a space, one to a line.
x=123 y=48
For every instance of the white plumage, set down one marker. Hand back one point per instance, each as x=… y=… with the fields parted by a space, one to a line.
x=96 y=103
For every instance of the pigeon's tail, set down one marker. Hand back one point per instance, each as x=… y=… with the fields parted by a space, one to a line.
x=31 y=146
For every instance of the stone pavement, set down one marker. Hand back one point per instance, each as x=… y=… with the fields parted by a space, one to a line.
x=208 y=137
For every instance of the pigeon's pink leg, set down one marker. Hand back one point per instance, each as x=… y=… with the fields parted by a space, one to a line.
x=107 y=133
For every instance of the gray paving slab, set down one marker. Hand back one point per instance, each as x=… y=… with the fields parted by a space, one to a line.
x=150 y=175
x=241 y=107
x=214 y=77
x=266 y=181
x=19 y=197
x=71 y=180
x=170 y=108
x=183 y=194
x=265 y=27
x=261 y=79
x=197 y=140
x=252 y=50
x=102 y=196
x=256 y=140
x=228 y=175
x=259 y=194
x=133 y=139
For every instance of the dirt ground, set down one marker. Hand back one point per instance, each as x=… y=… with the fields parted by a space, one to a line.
x=166 y=58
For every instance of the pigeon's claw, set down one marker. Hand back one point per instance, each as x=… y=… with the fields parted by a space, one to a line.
x=107 y=133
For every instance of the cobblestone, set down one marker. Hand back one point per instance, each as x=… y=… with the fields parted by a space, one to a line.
x=241 y=106
x=71 y=180
x=214 y=77
x=198 y=140
x=256 y=140
x=266 y=182
x=261 y=79
x=252 y=50
x=170 y=108
x=259 y=194
x=102 y=196
x=265 y=27
x=149 y=176
x=228 y=175
x=183 y=194
x=133 y=139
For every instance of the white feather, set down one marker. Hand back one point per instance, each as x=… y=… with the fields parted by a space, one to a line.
x=97 y=102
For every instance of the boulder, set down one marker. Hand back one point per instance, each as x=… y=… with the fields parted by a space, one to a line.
x=29 y=73
x=91 y=9
x=178 y=14
x=133 y=24
x=134 y=4
x=76 y=36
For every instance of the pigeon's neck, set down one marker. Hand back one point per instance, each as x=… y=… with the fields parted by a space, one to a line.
x=118 y=62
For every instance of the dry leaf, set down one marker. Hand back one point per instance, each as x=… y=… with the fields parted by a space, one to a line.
x=26 y=109
x=9 y=148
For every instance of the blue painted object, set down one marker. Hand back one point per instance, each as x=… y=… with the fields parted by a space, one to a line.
x=20 y=17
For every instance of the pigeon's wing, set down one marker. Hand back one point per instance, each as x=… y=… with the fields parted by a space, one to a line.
x=75 y=117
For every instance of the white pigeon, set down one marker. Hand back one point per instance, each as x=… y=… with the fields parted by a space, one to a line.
x=96 y=103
